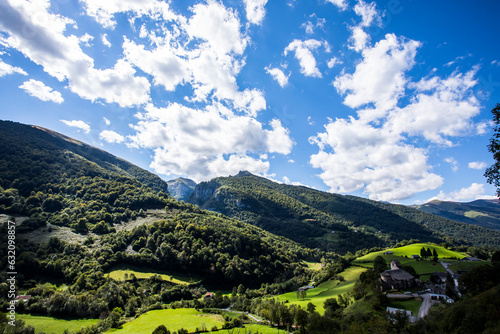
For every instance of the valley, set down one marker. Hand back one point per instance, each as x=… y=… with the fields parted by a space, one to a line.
x=101 y=246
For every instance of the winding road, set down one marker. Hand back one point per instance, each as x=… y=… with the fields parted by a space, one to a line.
x=228 y=309
x=426 y=303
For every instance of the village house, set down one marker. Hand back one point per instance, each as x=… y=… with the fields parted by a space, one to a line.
x=23 y=298
x=439 y=277
x=398 y=278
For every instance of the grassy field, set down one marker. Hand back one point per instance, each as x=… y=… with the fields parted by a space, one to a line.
x=313 y=265
x=412 y=305
x=118 y=274
x=400 y=253
x=325 y=290
x=261 y=329
x=466 y=265
x=173 y=319
x=427 y=267
x=50 y=325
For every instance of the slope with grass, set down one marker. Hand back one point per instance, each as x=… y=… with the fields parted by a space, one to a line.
x=329 y=289
x=407 y=252
x=123 y=273
x=173 y=319
x=51 y=325
x=424 y=268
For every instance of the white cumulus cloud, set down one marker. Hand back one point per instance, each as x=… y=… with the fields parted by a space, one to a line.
x=40 y=36
x=205 y=143
x=6 y=69
x=477 y=165
x=367 y=11
x=77 y=124
x=440 y=108
x=380 y=77
x=278 y=75
x=303 y=53
x=355 y=155
x=380 y=151
x=473 y=192
x=38 y=89
x=341 y=4
x=104 y=11
x=256 y=10
x=104 y=39
x=111 y=136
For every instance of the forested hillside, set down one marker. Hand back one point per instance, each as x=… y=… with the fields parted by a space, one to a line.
x=261 y=202
x=308 y=215
x=55 y=179
x=49 y=178
x=52 y=178
x=126 y=219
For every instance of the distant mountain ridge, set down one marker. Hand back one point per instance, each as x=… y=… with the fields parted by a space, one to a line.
x=485 y=213
x=181 y=188
x=309 y=216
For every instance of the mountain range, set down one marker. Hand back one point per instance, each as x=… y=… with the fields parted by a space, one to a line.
x=485 y=213
x=50 y=177
x=329 y=221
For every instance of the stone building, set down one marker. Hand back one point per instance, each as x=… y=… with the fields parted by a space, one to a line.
x=397 y=278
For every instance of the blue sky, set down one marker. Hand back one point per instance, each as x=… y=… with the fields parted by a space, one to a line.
x=388 y=100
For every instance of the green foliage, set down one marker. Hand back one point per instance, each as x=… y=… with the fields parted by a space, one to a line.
x=478 y=314
x=493 y=173
x=480 y=279
x=309 y=216
x=49 y=177
x=214 y=247
x=161 y=330
x=379 y=265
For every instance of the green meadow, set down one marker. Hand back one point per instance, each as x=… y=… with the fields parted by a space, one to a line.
x=254 y=328
x=325 y=290
x=313 y=265
x=412 y=305
x=401 y=253
x=466 y=265
x=50 y=325
x=173 y=319
x=118 y=274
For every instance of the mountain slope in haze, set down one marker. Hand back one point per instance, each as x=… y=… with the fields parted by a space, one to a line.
x=53 y=178
x=485 y=213
x=309 y=216
x=181 y=188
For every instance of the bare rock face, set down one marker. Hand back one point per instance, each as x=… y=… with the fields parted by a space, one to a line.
x=202 y=193
x=181 y=188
